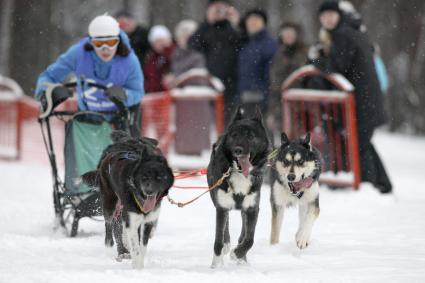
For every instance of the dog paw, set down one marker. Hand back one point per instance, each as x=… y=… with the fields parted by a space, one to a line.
x=226 y=249
x=109 y=243
x=302 y=238
x=217 y=261
x=152 y=233
x=138 y=262
x=120 y=257
x=235 y=258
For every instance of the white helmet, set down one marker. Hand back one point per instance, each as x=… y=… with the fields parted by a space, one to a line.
x=104 y=26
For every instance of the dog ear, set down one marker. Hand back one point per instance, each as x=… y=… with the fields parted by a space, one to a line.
x=307 y=140
x=258 y=115
x=238 y=115
x=284 y=139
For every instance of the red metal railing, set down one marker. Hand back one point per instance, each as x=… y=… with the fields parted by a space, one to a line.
x=331 y=119
x=157 y=107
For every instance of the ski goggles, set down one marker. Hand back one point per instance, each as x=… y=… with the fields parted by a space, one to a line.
x=109 y=43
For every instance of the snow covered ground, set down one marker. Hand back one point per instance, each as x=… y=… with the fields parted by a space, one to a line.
x=359 y=237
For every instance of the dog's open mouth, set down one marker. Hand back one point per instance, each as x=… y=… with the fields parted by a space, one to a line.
x=146 y=204
x=149 y=203
x=305 y=183
x=245 y=164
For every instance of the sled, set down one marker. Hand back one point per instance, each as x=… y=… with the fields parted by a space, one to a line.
x=87 y=134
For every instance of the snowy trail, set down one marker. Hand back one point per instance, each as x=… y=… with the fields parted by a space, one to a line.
x=359 y=236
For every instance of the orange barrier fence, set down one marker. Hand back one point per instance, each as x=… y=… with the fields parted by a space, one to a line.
x=330 y=118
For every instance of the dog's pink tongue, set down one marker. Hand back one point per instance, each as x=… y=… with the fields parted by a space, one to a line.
x=149 y=204
x=245 y=164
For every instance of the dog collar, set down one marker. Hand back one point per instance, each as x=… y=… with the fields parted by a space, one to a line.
x=138 y=203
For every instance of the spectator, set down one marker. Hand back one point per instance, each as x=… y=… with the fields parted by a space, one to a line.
x=351 y=55
x=220 y=43
x=185 y=58
x=158 y=60
x=290 y=56
x=193 y=118
x=354 y=19
x=254 y=63
x=137 y=33
x=104 y=56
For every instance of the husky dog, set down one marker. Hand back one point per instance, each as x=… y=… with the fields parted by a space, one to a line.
x=294 y=180
x=244 y=149
x=133 y=177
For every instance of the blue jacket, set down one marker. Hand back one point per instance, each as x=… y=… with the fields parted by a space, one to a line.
x=254 y=63
x=69 y=62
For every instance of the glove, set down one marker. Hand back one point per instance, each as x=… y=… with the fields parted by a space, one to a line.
x=116 y=94
x=59 y=95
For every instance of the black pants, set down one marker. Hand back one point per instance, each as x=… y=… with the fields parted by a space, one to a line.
x=134 y=123
x=371 y=167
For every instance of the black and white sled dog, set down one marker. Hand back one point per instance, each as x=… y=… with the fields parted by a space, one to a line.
x=133 y=177
x=294 y=180
x=243 y=148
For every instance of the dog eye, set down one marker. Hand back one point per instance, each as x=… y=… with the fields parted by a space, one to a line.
x=251 y=137
x=300 y=162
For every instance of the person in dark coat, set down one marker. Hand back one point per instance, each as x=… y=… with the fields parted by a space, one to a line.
x=254 y=63
x=220 y=43
x=291 y=55
x=351 y=55
x=137 y=33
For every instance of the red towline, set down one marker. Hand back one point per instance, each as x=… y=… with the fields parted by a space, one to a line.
x=179 y=175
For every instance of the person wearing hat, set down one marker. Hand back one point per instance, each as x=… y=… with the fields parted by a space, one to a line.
x=104 y=56
x=351 y=55
x=220 y=42
x=137 y=33
x=158 y=61
x=254 y=63
x=291 y=55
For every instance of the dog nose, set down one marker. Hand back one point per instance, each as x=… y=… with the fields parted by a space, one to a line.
x=238 y=150
x=148 y=192
x=291 y=177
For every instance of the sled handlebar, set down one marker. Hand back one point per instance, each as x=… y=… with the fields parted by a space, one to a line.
x=88 y=83
x=49 y=111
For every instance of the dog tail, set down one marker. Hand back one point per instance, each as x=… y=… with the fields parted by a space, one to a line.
x=90 y=178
